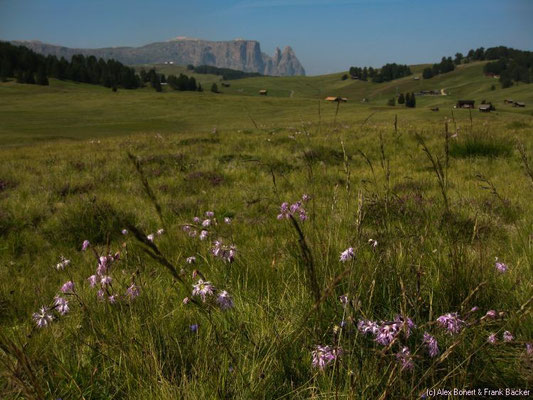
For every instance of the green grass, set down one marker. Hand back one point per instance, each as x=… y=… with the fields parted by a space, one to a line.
x=66 y=176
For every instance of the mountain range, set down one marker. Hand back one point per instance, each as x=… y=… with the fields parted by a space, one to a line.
x=239 y=54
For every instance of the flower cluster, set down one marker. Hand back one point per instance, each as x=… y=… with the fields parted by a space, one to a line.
x=294 y=210
x=500 y=267
x=404 y=356
x=451 y=322
x=62 y=264
x=210 y=294
x=347 y=255
x=151 y=236
x=226 y=253
x=387 y=331
x=431 y=344
x=324 y=355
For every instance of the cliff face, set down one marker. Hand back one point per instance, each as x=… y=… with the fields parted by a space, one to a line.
x=243 y=55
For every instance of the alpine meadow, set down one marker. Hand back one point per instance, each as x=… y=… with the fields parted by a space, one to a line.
x=190 y=231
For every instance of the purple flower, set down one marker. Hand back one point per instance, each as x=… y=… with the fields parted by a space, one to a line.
x=185 y=301
x=193 y=233
x=347 y=254
x=194 y=328
x=500 y=267
x=67 y=287
x=508 y=336
x=93 y=280
x=85 y=245
x=191 y=260
x=405 y=322
x=187 y=228
x=133 y=291
x=306 y=197
x=203 y=289
x=209 y=214
x=206 y=223
x=404 y=356
x=324 y=355
x=529 y=349
x=366 y=326
x=43 y=317
x=432 y=344
x=124 y=231
x=112 y=299
x=344 y=300
x=105 y=280
x=284 y=211
x=224 y=300
x=492 y=338
x=100 y=294
x=150 y=237
x=387 y=333
x=203 y=235
x=227 y=253
x=61 y=305
x=474 y=309
x=196 y=220
x=451 y=322
x=491 y=314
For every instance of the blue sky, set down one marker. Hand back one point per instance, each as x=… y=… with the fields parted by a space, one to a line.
x=327 y=35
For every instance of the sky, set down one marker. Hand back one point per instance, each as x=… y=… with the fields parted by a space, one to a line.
x=327 y=35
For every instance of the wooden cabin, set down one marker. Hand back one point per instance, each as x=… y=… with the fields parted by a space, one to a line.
x=519 y=104
x=337 y=99
x=486 y=107
x=263 y=92
x=465 y=104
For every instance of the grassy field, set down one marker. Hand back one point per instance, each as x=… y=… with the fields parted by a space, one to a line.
x=426 y=204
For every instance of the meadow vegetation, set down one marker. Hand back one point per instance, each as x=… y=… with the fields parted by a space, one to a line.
x=369 y=252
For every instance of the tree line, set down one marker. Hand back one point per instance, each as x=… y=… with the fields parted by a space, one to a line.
x=386 y=73
x=26 y=66
x=181 y=82
x=227 y=74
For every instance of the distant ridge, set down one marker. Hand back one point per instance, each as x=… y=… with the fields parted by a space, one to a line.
x=239 y=54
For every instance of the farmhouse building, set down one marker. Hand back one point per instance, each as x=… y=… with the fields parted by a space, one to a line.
x=486 y=107
x=519 y=104
x=263 y=92
x=508 y=101
x=337 y=99
x=465 y=104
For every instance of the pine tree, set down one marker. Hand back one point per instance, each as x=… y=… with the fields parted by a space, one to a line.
x=413 y=100
x=29 y=78
x=401 y=99
x=42 y=79
x=407 y=99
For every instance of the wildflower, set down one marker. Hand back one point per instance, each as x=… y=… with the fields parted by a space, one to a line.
x=500 y=267
x=344 y=300
x=93 y=279
x=185 y=301
x=63 y=263
x=194 y=328
x=160 y=232
x=492 y=338
x=196 y=220
x=203 y=289
x=387 y=333
x=61 y=305
x=474 y=309
x=193 y=233
x=373 y=242
x=227 y=253
x=404 y=356
x=150 y=237
x=306 y=197
x=43 y=317
x=209 y=214
x=106 y=280
x=367 y=326
x=133 y=291
x=224 y=300
x=347 y=254
x=203 y=235
x=85 y=245
x=191 y=260
x=284 y=211
x=405 y=322
x=432 y=344
x=124 y=231
x=529 y=349
x=324 y=355
x=206 y=223
x=67 y=287
x=508 y=336
x=227 y=220
x=491 y=314
x=112 y=299
x=187 y=228
x=451 y=322
x=100 y=294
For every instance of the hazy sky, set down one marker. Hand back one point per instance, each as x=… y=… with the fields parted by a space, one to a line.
x=327 y=35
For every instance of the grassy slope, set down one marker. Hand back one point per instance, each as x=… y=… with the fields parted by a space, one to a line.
x=75 y=111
